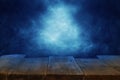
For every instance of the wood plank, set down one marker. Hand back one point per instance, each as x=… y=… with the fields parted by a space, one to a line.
x=90 y=62
x=111 y=60
x=8 y=62
x=63 y=68
x=95 y=69
x=109 y=56
x=30 y=69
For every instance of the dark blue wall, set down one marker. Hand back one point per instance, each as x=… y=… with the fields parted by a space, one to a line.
x=99 y=18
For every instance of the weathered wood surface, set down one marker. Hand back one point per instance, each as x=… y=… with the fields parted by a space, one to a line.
x=94 y=69
x=17 y=67
x=63 y=68
x=111 y=60
x=93 y=62
x=8 y=62
x=30 y=69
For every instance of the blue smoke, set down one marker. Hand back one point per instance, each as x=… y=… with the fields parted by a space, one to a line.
x=61 y=35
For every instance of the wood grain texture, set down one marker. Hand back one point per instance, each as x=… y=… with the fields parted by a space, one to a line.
x=90 y=62
x=63 y=68
x=30 y=69
x=112 y=60
x=17 y=67
x=8 y=62
x=95 y=69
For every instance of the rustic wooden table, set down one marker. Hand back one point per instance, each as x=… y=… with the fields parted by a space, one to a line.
x=17 y=67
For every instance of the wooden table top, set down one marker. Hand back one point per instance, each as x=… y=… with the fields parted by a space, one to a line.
x=18 y=67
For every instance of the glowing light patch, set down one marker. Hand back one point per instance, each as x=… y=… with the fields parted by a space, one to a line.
x=60 y=34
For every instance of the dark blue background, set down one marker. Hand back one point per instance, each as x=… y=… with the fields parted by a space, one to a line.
x=100 y=18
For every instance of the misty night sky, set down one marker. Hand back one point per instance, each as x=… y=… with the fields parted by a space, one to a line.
x=35 y=27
